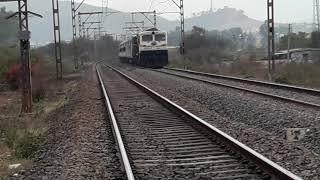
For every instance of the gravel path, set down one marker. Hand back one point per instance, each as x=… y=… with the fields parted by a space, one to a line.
x=80 y=142
x=256 y=121
x=270 y=90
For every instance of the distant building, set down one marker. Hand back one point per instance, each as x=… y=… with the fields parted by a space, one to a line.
x=298 y=55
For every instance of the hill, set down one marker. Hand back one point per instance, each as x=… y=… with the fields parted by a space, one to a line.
x=9 y=28
x=225 y=18
x=42 y=28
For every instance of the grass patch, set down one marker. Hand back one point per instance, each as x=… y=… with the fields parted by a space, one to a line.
x=8 y=57
x=24 y=143
x=299 y=74
x=22 y=136
x=28 y=144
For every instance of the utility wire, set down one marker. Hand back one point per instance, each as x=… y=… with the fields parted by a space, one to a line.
x=163 y=10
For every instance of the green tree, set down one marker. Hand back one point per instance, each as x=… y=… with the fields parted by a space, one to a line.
x=315 y=40
x=9 y=28
x=197 y=38
x=297 y=40
x=263 y=31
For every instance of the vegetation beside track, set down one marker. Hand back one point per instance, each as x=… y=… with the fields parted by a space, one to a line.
x=219 y=53
x=21 y=136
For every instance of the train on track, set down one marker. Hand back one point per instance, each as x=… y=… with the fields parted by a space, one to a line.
x=147 y=49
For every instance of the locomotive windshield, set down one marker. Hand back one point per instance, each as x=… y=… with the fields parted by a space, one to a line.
x=147 y=38
x=160 y=37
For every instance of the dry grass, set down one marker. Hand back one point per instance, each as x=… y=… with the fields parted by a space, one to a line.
x=22 y=136
x=301 y=74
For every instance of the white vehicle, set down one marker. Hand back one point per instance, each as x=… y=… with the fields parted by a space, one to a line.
x=148 y=49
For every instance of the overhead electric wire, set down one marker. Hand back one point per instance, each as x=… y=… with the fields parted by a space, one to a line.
x=163 y=11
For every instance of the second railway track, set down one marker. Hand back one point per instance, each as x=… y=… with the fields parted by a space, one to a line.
x=160 y=140
x=298 y=95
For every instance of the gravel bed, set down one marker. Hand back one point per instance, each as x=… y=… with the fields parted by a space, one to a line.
x=140 y=117
x=80 y=142
x=256 y=121
x=270 y=90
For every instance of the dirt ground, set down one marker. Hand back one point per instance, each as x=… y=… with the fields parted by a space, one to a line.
x=14 y=125
x=78 y=137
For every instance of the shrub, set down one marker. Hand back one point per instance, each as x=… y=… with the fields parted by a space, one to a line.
x=10 y=137
x=12 y=76
x=8 y=57
x=24 y=143
x=28 y=145
x=38 y=94
x=282 y=80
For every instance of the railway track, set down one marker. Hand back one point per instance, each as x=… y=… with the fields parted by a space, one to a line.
x=293 y=94
x=158 y=139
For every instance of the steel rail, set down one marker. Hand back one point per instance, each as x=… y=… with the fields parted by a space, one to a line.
x=252 y=81
x=116 y=131
x=285 y=99
x=265 y=164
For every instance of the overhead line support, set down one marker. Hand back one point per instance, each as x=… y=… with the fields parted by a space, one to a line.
x=57 y=38
x=271 y=40
x=182 y=25
x=74 y=34
x=25 y=69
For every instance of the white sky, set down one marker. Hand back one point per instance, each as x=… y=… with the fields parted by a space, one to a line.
x=285 y=10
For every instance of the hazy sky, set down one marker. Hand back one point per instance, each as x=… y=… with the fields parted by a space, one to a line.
x=285 y=10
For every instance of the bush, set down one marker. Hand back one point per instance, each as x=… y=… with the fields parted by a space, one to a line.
x=299 y=74
x=28 y=145
x=8 y=57
x=282 y=80
x=11 y=136
x=24 y=143
x=12 y=76
x=38 y=94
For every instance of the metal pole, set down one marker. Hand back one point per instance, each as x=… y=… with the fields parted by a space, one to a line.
x=24 y=36
x=25 y=69
x=314 y=15
x=271 y=40
x=182 y=48
x=80 y=24
x=318 y=15
x=74 y=34
x=155 y=19
x=95 y=47
x=57 y=38
x=289 y=38
x=87 y=33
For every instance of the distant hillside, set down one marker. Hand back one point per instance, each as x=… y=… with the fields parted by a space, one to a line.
x=225 y=18
x=42 y=28
x=8 y=30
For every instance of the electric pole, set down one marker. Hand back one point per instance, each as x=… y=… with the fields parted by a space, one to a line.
x=24 y=37
x=289 y=39
x=316 y=16
x=74 y=34
x=80 y=25
x=182 y=27
x=271 y=40
x=57 y=38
